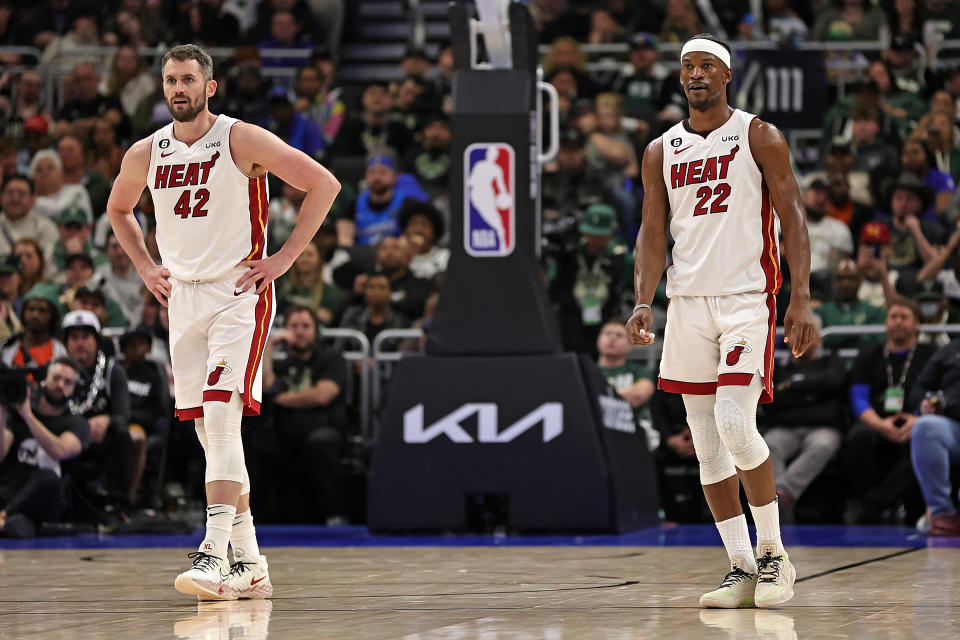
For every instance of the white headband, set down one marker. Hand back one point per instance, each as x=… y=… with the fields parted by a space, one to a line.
x=707 y=46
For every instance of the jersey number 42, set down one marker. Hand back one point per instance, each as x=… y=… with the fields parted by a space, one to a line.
x=183 y=209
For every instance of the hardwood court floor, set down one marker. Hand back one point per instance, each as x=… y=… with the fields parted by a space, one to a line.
x=470 y=593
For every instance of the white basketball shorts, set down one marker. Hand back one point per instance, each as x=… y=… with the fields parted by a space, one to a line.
x=712 y=341
x=217 y=337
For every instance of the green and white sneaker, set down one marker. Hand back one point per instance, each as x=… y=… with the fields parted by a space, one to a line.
x=777 y=575
x=736 y=591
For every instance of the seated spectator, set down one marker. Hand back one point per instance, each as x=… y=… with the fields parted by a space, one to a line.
x=429 y=160
x=648 y=89
x=19 y=219
x=53 y=195
x=917 y=160
x=32 y=265
x=303 y=285
x=283 y=213
x=877 y=287
x=291 y=126
x=406 y=108
x=208 y=24
x=247 y=99
x=678 y=472
x=935 y=442
x=73 y=158
x=105 y=469
x=120 y=281
x=375 y=314
x=842 y=207
x=877 y=455
x=106 y=309
x=783 y=23
x=631 y=379
x=286 y=33
x=912 y=240
x=872 y=153
x=934 y=309
x=87 y=106
x=806 y=421
x=129 y=79
x=318 y=101
x=305 y=389
x=28 y=100
x=373 y=215
x=423 y=225
x=40 y=316
x=373 y=129
x=35 y=437
x=839 y=159
x=105 y=153
x=830 y=239
x=566 y=52
x=149 y=407
x=906 y=66
x=846 y=309
x=72 y=48
x=680 y=21
x=897 y=102
x=570 y=185
x=939 y=134
x=849 y=20
x=9 y=279
x=74 y=229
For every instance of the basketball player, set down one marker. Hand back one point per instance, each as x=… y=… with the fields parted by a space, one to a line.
x=720 y=174
x=208 y=178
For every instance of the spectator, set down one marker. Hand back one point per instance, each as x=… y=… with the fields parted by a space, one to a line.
x=934 y=309
x=408 y=293
x=32 y=264
x=850 y=20
x=283 y=213
x=429 y=160
x=632 y=380
x=805 y=422
x=285 y=33
x=904 y=18
x=70 y=49
x=935 y=442
x=35 y=437
x=105 y=153
x=373 y=129
x=680 y=21
x=37 y=345
x=134 y=25
x=375 y=314
x=941 y=21
x=129 y=80
x=108 y=312
x=36 y=138
x=872 y=154
x=19 y=219
x=846 y=309
x=74 y=238
x=872 y=255
x=373 y=215
x=877 y=458
x=651 y=93
x=918 y=160
x=102 y=398
x=566 y=52
x=830 y=239
x=120 y=280
x=309 y=416
x=938 y=132
x=208 y=24
x=303 y=285
x=319 y=102
x=912 y=239
x=73 y=159
x=905 y=65
x=297 y=130
x=86 y=106
x=569 y=184
x=9 y=322
x=53 y=195
x=783 y=23
x=423 y=225
x=303 y=16
x=564 y=80
x=842 y=206
x=896 y=102
x=948 y=278
x=678 y=473
x=29 y=101
x=247 y=97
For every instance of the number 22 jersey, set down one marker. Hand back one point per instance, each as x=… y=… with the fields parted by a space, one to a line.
x=210 y=215
x=721 y=216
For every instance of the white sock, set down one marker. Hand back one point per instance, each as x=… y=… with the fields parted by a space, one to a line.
x=243 y=538
x=767 y=519
x=736 y=540
x=219 y=523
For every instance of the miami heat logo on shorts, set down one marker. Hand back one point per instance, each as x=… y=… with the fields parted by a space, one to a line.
x=733 y=355
x=217 y=371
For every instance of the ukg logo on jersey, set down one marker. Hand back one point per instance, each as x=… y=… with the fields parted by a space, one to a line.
x=489 y=206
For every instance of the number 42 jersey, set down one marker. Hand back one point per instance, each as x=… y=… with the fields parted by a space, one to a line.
x=210 y=215
x=721 y=216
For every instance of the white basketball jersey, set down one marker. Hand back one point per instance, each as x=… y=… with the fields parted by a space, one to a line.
x=722 y=220
x=210 y=215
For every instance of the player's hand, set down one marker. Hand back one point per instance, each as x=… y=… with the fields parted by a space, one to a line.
x=799 y=327
x=639 y=328
x=156 y=279
x=261 y=273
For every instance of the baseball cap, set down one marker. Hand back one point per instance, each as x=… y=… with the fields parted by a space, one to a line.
x=44 y=291
x=8 y=264
x=83 y=257
x=599 y=220
x=928 y=290
x=72 y=215
x=278 y=94
x=875 y=233
x=81 y=319
x=37 y=123
x=133 y=334
x=643 y=39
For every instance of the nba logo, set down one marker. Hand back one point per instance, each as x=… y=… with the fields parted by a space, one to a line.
x=489 y=206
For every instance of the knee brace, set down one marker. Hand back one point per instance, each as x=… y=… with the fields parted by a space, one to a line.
x=716 y=464
x=202 y=437
x=221 y=424
x=736 y=417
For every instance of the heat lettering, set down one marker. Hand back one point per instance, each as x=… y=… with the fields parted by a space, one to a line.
x=179 y=175
x=700 y=171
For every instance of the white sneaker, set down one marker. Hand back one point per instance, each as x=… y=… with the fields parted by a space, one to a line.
x=736 y=591
x=777 y=574
x=204 y=579
x=249 y=580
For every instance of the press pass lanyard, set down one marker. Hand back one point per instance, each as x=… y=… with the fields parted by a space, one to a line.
x=893 y=397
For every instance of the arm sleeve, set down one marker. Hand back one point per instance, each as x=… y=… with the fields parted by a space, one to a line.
x=859 y=399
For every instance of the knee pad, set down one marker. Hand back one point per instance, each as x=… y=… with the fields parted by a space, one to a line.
x=716 y=464
x=202 y=436
x=221 y=424
x=736 y=417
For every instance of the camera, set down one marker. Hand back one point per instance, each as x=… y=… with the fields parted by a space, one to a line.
x=13 y=384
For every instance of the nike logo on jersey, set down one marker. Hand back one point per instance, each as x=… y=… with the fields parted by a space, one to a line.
x=682 y=150
x=253 y=582
x=164 y=155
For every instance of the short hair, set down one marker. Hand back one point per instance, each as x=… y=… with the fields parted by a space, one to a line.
x=300 y=308
x=17 y=176
x=184 y=52
x=711 y=38
x=67 y=361
x=912 y=305
x=45 y=154
x=863 y=112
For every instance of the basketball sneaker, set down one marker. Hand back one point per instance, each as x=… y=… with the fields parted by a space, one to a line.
x=249 y=580
x=736 y=590
x=777 y=574
x=205 y=579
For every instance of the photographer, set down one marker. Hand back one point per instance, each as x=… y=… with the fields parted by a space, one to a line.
x=36 y=434
x=936 y=436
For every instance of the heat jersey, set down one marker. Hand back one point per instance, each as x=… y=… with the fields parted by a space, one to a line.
x=721 y=217
x=210 y=215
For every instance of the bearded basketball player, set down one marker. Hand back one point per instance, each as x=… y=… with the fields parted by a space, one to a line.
x=718 y=177
x=208 y=177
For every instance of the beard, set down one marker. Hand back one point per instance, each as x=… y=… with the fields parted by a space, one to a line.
x=54 y=399
x=188 y=112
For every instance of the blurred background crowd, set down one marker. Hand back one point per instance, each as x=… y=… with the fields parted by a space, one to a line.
x=365 y=88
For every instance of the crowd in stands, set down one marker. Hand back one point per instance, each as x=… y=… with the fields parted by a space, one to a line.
x=882 y=211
